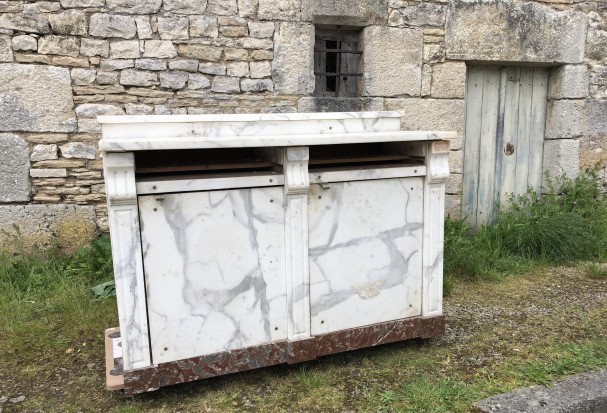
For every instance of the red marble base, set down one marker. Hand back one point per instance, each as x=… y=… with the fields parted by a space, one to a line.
x=196 y=368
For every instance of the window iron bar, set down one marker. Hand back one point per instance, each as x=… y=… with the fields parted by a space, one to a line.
x=338 y=51
x=338 y=65
x=332 y=74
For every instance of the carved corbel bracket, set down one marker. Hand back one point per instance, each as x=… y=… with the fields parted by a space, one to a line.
x=119 y=171
x=297 y=180
x=437 y=161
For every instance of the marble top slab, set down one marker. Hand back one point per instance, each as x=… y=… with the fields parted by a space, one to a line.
x=132 y=133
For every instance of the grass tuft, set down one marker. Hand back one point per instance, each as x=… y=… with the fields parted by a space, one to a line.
x=567 y=223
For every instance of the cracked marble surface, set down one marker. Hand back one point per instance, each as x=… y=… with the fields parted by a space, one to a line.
x=214 y=264
x=365 y=246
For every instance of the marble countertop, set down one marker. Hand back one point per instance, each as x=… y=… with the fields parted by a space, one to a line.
x=134 y=133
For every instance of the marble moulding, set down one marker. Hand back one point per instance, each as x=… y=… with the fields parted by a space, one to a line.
x=242 y=241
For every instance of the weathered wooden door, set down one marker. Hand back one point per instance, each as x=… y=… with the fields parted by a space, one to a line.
x=504 y=137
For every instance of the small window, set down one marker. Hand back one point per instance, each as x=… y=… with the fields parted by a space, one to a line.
x=336 y=62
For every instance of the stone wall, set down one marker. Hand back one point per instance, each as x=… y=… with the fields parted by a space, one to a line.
x=64 y=62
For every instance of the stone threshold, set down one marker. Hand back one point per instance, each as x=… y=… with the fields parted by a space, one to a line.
x=582 y=393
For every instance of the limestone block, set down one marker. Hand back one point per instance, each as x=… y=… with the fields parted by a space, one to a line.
x=83 y=77
x=89 y=126
x=566 y=119
x=198 y=81
x=66 y=4
x=431 y=115
x=596 y=44
x=593 y=151
x=449 y=80
x=72 y=22
x=392 y=61
x=185 y=65
x=569 y=82
x=233 y=31
x=78 y=150
x=14 y=158
x=125 y=49
x=68 y=226
x=212 y=68
x=419 y=14
x=293 y=67
x=453 y=206
x=112 y=25
x=260 y=69
x=513 y=32
x=185 y=6
x=44 y=152
x=204 y=26
x=222 y=7
x=261 y=29
x=92 y=110
x=25 y=43
x=257 y=85
x=562 y=156
x=279 y=10
x=94 y=47
x=173 y=28
x=357 y=12
x=159 y=49
x=59 y=45
x=144 y=27
x=236 y=54
x=28 y=23
x=454 y=184
x=254 y=43
x=132 y=77
x=202 y=52
x=135 y=109
x=70 y=61
x=261 y=55
x=597 y=118
x=174 y=80
x=248 y=8
x=134 y=6
x=48 y=173
x=116 y=64
x=47 y=137
x=11 y=6
x=330 y=104
x=36 y=98
x=150 y=64
x=6 y=53
x=237 y=69
x=426 y=80
x=108 y=78
x=225 y=84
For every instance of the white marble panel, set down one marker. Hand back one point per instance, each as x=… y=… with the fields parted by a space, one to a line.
x=214 y=267
x=365 y=246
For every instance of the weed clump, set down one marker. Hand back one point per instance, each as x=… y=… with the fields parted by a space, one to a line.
x=568 y=222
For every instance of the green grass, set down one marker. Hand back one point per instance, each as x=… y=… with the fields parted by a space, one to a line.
x=46 y=304
x=567 y=223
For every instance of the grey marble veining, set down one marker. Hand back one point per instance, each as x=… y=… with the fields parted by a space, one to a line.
x=214 y=264
x=365 y=252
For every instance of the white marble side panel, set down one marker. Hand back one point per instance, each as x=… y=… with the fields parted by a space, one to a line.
x=214 y=266
x=365 y=246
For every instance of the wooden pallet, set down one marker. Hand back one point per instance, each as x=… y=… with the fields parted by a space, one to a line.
x=113 y=359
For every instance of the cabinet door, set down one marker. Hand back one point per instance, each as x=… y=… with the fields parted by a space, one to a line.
x=365 y=252
x=214 y=269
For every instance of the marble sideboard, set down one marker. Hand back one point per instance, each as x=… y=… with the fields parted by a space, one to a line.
x=243 y=241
